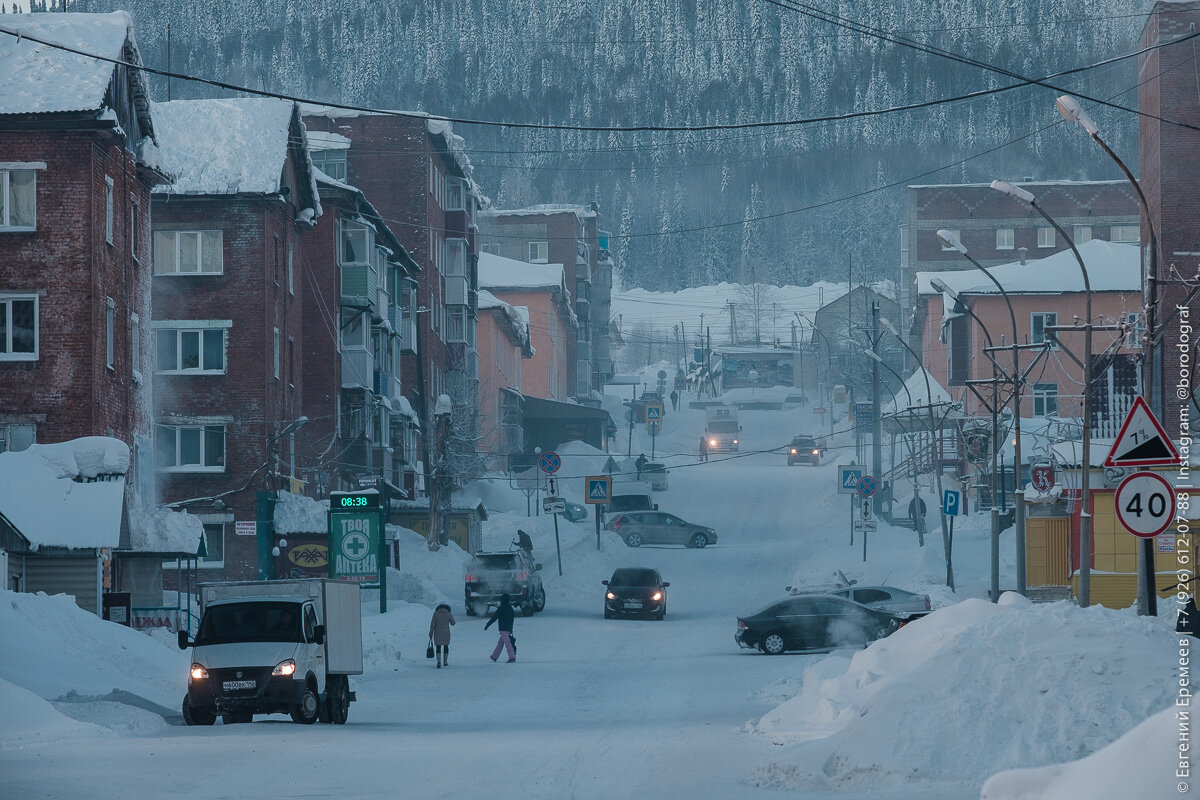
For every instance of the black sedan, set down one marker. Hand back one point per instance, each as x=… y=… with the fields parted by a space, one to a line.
x=635 y=590
x=813 y=623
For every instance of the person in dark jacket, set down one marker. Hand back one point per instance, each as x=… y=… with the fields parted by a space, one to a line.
x=439 y=632
x=504 y=619
x=674 y=400
x=916 y=512
x=641 y=464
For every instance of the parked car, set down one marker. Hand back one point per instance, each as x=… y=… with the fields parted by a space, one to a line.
x=655 y=473
x=514 y=573
x=576 y=512
x=813 y=623
x=658 y=527
x=897 y=602
x=635 y=590
x=806 y=450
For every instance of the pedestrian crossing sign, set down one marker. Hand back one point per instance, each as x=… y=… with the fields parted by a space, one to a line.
x=598 y=489
x=848 y=478
x=654 y=412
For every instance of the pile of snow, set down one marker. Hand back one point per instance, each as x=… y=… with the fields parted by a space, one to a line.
x=297 y=513
x=29 y=720
x=1139 y=764
x=971 y=689
x=156 y=529
x=46 y=501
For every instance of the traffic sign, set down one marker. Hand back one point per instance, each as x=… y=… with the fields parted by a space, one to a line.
x=951 y=502
x=1145 y=504
x=653 y=427
x=680 y=383
x=1042 y=477
x=864 y=409
x=1141 y=442
x=554 y=505
x=654 y=412
x=866 y=485
x=698 y=355
x=848 y=477
x=865 y=526
x=598 y=489
x=662 y=374
x=549 y=462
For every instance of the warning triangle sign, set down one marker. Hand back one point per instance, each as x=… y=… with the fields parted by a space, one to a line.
x=1142 y=442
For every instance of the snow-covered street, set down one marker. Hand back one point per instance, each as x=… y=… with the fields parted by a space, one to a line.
x=672 y=707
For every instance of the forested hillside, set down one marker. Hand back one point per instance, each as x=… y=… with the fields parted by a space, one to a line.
x=678 y=200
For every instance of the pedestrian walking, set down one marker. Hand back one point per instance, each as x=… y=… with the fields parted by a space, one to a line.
x=704 y=448
x=916 y=512
x=674 y=399
x=439 y=632
x=641 y=464
x=504 y=622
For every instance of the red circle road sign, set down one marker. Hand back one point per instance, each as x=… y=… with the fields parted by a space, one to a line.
x=1145 y=504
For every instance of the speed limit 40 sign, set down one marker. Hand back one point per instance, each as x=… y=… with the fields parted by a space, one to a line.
x=1145 y=504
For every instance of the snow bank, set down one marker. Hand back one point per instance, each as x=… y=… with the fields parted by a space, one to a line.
x=161 y=530
x=29 y=720
x=1139 y=764
x=296 y=513
x=967 y=691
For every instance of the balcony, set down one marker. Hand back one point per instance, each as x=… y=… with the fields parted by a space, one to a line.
x=395 y=318
x=382 y=385
x=583 y=351
x=357 y=367
x=360 y=283
x=456 y=290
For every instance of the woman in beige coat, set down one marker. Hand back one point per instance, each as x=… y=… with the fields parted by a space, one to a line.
x=439 y=631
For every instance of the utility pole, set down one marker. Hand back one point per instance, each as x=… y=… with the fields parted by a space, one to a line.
x=732 y=328
x=877 y=422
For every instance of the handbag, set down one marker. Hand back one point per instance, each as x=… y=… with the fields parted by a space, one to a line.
x=513 y=641
x=429 y=649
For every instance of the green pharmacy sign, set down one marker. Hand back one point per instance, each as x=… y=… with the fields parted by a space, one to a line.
x=354 y=546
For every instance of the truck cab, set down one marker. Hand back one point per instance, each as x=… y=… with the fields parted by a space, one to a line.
x=267 y=647
x=722 y=431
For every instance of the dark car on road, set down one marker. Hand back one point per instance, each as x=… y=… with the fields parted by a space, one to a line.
x=635 y=590
x=575 y=512
x=490 y=575
x=805 y=450
x=658 y=527
x=813 y=623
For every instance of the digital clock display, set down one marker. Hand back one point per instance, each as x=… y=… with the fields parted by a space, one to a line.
x=354 y=502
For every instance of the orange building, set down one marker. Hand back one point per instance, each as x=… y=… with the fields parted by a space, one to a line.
x=503 y=344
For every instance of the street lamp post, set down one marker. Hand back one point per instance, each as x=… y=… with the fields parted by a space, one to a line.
x=1085 y=513
x=1070 y=109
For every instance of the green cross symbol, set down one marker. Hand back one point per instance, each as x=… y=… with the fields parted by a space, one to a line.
x=356 y=545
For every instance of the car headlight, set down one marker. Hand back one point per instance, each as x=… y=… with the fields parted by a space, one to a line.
x=611 y=596
x=712 y=442
x=735 y=441
x=793 y=451
x=198 y=672
x=816 y=452
x=657 y=596
x=284 y=668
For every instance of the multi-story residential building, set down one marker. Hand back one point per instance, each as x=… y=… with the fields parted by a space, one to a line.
x=1043 y=293
x=997 y=229
x=228 y=314
x=359 y=304
x=542 y=289
x=419 y=178
x=504 y=344
x=568 y=235
x=77 y=162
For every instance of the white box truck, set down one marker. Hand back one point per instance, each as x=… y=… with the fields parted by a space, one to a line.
x=722 y=429
x=274 y=647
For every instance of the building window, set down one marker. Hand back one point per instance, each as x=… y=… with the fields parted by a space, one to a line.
x=191 y=351
x=16 y=437
x=1128 y=234
x=135 y=351
x=275 y=260
x=18 y=199
x=356 y=244
x=184 y=448
x=18 y=327
x=291 y=253
x=108 y=209
x=214 y=545
x=354 y=333
x=457 y=331
x=331 y=162
x=1004 y=238
x=110 y=332
x=1038 y=322
x=276 y=332
x=1045 y=399
x=1135 y=325
x=133 y=227
x=455 y=195
x=957 y=235
x=539 y=252
x=1083 y=233
x=1046 y=237
x=456 y=257
x=188 y=253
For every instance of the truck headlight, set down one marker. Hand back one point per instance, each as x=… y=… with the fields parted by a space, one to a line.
x=657 y=596
x=284 y=668
x=198 y=672
x=610 y=596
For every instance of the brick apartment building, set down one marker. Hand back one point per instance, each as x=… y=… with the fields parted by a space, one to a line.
x=417 y=175
x=504 y=346
x=1170 y=166
x=228 y=314
x=77 y=164
x=997 y=229
x=567 y=235
x=358 y=304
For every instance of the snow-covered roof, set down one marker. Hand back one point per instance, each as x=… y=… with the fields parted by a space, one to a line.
x=69 y=494
x=520 y=322
x=1111 y=268
x=401 y=406
x=919 y=392
x=498 y=272
x=36 y=79
x=226 y=147
x=580 y=211
x=154 y=529
x=323 y=140
x=296 y=513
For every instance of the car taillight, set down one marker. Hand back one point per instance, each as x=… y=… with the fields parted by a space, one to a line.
x=522 y=576
x=470 y=578
x=927 y=606
x=616 y=525
x=741 y=625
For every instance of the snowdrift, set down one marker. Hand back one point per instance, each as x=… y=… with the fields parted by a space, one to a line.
x=970 y=690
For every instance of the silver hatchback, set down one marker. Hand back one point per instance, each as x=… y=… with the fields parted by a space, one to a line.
x=658 y=527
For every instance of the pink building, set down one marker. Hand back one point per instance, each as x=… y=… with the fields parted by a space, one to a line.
x=1043 y=293
x=503 y=345
x=542 y=289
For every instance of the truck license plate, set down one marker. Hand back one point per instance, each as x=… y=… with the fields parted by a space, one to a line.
x=633 y=604
x=233 y=686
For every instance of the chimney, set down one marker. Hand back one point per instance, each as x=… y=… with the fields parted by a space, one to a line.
x=1024 y=251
